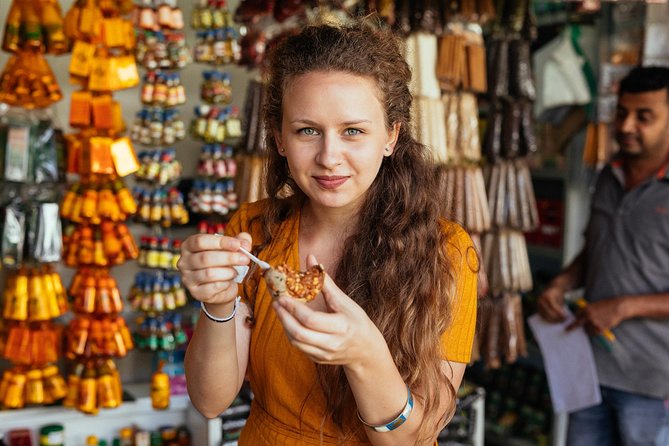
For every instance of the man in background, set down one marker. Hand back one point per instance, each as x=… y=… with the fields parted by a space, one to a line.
x=624 y=268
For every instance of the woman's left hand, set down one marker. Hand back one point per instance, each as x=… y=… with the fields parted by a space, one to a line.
x=343 y=335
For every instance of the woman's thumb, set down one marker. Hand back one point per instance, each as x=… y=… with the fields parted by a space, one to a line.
x=245 y=239
x=311 y=261
x=331 y=293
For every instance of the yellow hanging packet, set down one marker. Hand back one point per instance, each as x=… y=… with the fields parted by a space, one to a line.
x=118 y=125
x=126 y=72
x=71 y=23
x=125 y=160
x=102 y=76
x=90 y=20
x=82 y=57
x=129 y=36
x=113 y=32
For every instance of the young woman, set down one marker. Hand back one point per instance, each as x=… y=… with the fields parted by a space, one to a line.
x=377 y=357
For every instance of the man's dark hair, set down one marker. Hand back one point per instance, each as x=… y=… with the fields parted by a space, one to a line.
x=645 y=79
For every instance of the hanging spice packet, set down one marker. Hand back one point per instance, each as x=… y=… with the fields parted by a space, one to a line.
x=45 y=153
x=49 y=238
x=13 y=236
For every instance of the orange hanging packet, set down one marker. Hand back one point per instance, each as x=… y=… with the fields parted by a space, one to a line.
x=80 y=109
x=102 y=112
x=100 y=155
x=74 y=149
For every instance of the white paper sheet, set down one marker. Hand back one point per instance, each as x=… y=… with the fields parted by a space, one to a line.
x=569 y=362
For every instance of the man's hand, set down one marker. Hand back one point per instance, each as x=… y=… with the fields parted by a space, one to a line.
x=551 y=304
x=599 y=316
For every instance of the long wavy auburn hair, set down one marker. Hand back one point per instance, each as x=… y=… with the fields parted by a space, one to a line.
x=394 y=264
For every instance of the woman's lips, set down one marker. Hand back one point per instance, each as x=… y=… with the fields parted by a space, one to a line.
x=330 y=182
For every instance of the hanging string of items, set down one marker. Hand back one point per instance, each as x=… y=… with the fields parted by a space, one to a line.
x=213 y=196
x=157 y=291
x=447 y=55
x=98 y=203
x=252 y=147
x=162 y=51
x=509 y=141
x=31 y=174
x=32 y=29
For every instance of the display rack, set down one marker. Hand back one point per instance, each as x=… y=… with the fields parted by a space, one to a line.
x=467 y=427
x=107 y=423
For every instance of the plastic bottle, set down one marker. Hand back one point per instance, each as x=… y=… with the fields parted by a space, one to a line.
x=160 y=389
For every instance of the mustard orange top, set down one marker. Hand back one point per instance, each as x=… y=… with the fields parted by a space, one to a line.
x=288 y=407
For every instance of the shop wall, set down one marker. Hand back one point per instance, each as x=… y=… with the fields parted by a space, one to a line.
x=136 y=367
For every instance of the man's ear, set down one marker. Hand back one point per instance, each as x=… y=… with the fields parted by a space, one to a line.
x=391 y=140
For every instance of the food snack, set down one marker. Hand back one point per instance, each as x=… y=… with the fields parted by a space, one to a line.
x=301 y=285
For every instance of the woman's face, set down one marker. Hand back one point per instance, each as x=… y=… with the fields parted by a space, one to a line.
x=334 y=137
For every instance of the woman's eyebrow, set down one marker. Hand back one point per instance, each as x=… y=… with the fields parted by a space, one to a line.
x=351 y=122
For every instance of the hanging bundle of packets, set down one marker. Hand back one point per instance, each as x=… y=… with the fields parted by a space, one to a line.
x=98 y=203
x=31 y=154
x=216 y=123
x=162 y=51
x=30 y=150
x=157 y=291
x=33 y=27
x=446 y=81
x=508 y=142
x=251 y=159
x=217 y=38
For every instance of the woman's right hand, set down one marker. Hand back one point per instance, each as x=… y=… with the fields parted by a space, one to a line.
x=207 y=267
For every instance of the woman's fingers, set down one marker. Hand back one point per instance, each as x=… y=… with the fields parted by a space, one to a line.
x=311 y=319
x=214 y=292
x=209 y=275
x=301 y=336
x=207 y=265
x=209 y=242
x=211 y=259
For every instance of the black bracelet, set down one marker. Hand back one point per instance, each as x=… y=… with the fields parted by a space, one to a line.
x=220 y=319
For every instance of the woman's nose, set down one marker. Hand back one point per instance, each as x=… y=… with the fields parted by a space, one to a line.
x=330 y=153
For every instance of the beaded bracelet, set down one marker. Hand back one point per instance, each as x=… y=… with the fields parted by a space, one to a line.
x=220 y=319
x=397 y=422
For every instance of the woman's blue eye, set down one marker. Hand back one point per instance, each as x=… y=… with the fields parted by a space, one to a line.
x=308 y=131
x=352 y=132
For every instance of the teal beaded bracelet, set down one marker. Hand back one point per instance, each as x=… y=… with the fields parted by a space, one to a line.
x=397 y=422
